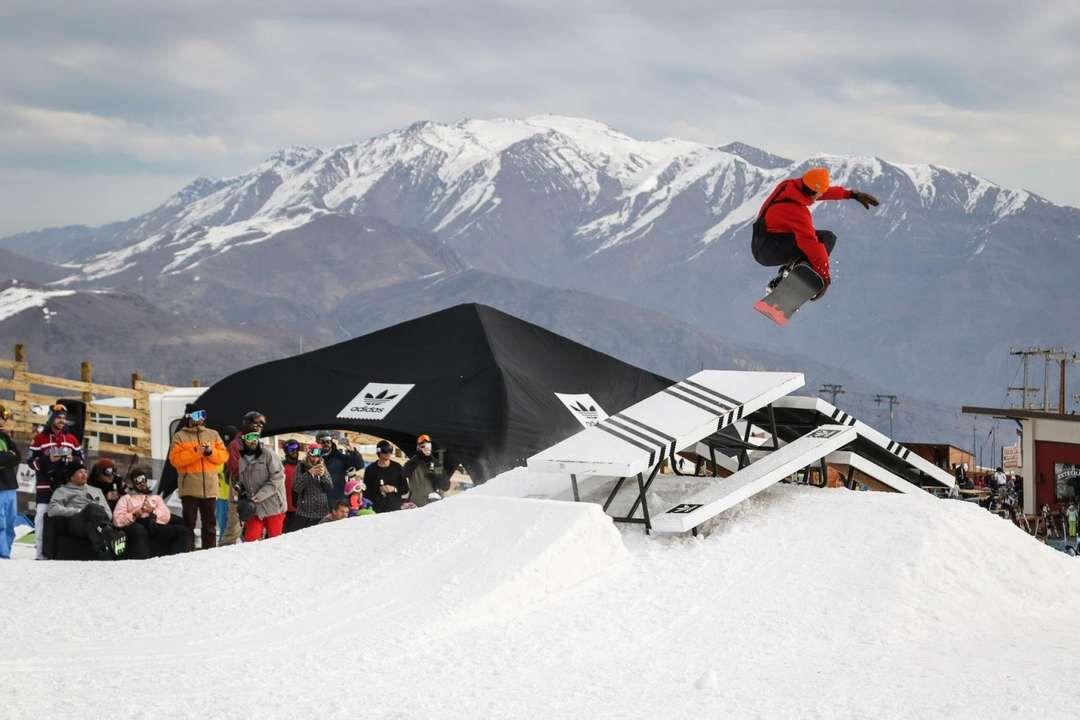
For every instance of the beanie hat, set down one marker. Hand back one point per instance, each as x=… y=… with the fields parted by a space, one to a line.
x=70 y=470
x=324 y=434
x=228 y=433
x=353 y=486
x=816 y=179
x=423 y=439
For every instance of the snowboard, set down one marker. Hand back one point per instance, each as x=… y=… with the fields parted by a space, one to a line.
x=798 y=286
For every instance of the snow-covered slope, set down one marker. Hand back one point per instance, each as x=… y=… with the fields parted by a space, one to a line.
x=570 y=202
x=803 y=603
x=16 y=299
x=593 y=186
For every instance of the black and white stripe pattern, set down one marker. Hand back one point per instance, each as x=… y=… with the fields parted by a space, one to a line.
x=898 y=450
x=709 y=400
x=655 y=442
x=842 y=418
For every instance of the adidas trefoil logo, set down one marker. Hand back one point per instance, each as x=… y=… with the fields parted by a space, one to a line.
x=380 y=399
x=588 y=412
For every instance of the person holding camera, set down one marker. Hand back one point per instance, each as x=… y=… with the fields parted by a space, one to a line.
x=427 y=478
x=312 y=486
x=52 y=452
x=197 y=453
x=104 y=477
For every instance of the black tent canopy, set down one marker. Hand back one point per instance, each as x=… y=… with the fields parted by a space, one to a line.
x=482 y=383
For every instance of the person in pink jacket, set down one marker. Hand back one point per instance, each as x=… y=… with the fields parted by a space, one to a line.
x=145 y=519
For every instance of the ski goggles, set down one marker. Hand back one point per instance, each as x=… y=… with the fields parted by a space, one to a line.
x=314 y=452
x=250 y=437
x=198 y=416
x=138 y=480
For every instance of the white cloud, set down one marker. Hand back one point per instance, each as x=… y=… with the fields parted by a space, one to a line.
x=209 y=88
x=30 y=128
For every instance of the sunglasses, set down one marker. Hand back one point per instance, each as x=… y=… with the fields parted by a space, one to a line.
x=198 y=415
x=250 y=437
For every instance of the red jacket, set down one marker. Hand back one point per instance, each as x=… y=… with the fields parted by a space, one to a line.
x=787 y=210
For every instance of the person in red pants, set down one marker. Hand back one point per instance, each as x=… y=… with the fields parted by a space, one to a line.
x=262 y=481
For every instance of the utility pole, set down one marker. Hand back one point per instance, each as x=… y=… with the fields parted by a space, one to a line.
x=893 y=401
x=1062 y=358
x=833 y=390
x=1025 y=354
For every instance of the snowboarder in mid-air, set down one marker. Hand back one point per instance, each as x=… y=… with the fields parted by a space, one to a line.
x=784 y=231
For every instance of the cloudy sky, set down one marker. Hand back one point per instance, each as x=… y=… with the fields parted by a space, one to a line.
x=106 y=108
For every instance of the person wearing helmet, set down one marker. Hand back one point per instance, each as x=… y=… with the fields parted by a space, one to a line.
x=784 y=232
x=354 y=495
x=197 y=453
x=291 y=463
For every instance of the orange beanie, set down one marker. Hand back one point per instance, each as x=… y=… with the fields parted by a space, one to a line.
x=817 y=179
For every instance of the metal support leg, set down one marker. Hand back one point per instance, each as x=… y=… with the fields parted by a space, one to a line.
x=614 y=492
x=824 y=473
x=573 y=484
x=772 y=428
x=712 y=459
x=644 y=500
x=641 y=499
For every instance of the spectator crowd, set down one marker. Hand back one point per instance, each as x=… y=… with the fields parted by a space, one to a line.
x=232 y=486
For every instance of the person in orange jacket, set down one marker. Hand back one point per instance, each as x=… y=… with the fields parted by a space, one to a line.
x=198 y=453
x=784 y=232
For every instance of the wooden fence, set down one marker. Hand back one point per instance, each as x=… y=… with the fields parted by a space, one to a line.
x=119 y=429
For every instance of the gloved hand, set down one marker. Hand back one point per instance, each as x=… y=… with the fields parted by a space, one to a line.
x=864 y=199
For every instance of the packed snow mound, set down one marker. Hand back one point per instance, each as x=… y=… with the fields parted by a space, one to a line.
x=797 y=603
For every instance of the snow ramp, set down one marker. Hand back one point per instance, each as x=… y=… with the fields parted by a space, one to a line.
x=437 y=570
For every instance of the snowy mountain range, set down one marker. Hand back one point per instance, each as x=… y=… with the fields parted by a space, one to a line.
x=930 y=288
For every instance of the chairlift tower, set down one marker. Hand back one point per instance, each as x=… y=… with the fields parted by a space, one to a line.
x=833 y=390
x=893 y=402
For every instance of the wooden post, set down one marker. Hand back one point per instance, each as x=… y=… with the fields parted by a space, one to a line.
x=194 y=383
x=86 y=374
x=22 y=390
